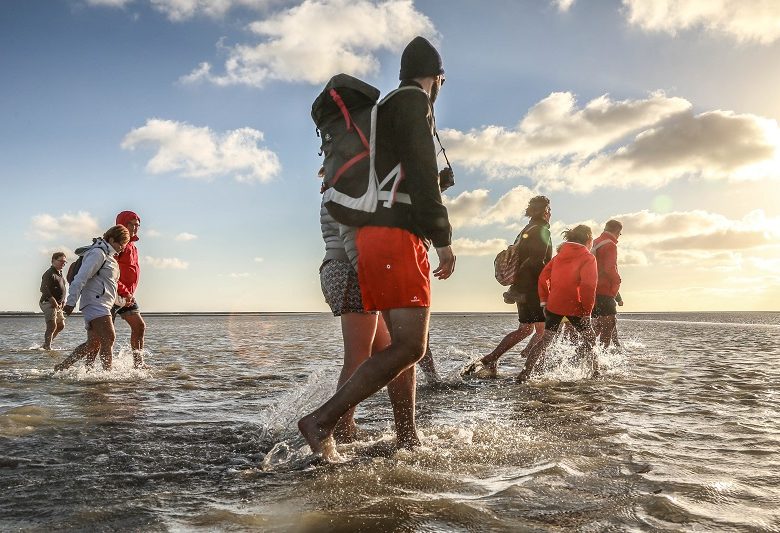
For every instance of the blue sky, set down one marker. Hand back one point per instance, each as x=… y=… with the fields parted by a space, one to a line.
x=195 y=114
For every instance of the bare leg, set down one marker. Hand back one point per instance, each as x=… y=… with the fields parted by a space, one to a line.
x=51 y=325
x=103 y=329
x=615 y=339
x=408 y=332
x=490 y=361
x=358 y=331
x=89 y=349
x=60 y=325
x=605 y=327
x=536 y=339
x=537 y=352
x=137 y=329
x=589 y=341
x=427 y=364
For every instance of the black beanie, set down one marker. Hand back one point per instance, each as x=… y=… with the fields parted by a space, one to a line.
x=419 y=60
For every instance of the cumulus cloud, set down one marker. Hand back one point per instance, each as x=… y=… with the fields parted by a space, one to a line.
x=152 y=233
x=259 y=259
x=563 y=5
x=473 y=208
x=200 y=153
x=239 y=275
x=180 y=10
x=743 y=20
x=80 y=225
x=629 y=143
x=466 y=247
x=296 y=45
x=166 y=263
x=108 y=3
x=693 y=239
x=185 y=237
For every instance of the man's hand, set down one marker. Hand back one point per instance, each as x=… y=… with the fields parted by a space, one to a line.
x=129 y=300
x=446 y=262
x=68 y=309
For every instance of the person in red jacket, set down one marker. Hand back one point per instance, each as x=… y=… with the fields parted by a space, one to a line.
x=607 y=295
x=129 y=271
x=567 y=288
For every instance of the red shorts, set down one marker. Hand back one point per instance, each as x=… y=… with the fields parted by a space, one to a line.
x=393 y=269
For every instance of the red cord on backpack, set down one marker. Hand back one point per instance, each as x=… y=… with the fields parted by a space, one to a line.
x=348 y=119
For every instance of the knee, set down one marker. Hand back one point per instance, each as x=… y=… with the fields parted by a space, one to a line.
x=413 y=350
x=139 y=326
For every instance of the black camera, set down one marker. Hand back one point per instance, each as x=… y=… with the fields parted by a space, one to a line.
x=446 y=178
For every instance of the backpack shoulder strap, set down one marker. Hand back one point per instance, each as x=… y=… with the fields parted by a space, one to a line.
x=392 y=93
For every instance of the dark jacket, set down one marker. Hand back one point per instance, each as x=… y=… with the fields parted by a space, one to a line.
x=536 y=252
x=405 y=134
x=53 y=286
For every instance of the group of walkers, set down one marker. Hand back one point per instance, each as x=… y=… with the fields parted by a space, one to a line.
x=103 y=280
x=376 y=277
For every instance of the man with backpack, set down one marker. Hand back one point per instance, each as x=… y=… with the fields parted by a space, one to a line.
x=393 y=268
x=534 y=250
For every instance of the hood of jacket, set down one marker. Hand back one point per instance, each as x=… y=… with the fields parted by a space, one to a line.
x=572 y=252
x=126 y=216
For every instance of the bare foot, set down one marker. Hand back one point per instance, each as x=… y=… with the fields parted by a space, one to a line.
x=488 y=371
x=319 y=439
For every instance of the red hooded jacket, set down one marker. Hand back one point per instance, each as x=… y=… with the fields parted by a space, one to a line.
x=605 y=250
x=568 y=282
x=129 y=270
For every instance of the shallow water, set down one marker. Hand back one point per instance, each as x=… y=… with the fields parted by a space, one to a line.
x=682 y=432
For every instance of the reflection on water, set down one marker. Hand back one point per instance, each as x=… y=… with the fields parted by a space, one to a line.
x=680 y=433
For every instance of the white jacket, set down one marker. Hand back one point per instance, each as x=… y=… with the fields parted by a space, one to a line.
x=96 y=280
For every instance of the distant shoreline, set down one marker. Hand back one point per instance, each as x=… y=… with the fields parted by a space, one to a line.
x=23 y=314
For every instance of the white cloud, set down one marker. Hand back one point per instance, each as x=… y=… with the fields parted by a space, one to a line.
x=560 y=146
x=180 y=10
x=743 y=20
x=108 y=3
x=563 y=5
x=152 y=233
x=259 y=259
x=80 y=225
x=166 y=263
x=185 y=237
x=198 y=152
x=473 y=208
x=239 y=275
x=317 y=39
x=466 y=247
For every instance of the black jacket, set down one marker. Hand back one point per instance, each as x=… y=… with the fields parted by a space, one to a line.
x=53 y=286
x=536 y=251
x=405 y=135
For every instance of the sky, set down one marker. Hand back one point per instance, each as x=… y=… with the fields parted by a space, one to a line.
x=662 y=114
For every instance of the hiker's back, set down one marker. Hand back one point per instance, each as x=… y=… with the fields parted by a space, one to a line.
x=405 y=138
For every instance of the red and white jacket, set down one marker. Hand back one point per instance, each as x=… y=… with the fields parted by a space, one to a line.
x=605 y=250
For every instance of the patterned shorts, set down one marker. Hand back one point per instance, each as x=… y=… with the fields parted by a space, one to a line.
x=340 y=287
